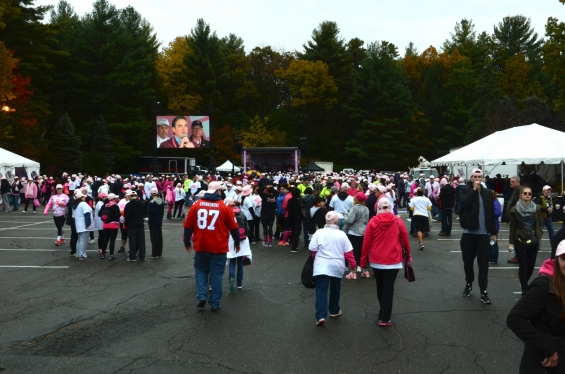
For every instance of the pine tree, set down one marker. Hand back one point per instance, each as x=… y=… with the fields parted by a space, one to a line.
x=381 y=112
x=66 y=146
x=206 y=67
x=515 y=35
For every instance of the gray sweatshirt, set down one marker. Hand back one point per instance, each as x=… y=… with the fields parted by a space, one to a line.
x=357 y=219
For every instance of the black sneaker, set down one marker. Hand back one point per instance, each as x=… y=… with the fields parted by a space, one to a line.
x=421 y=247
x=102 y=257
x=130 y=260
x=294 y=251
x=484 y=298
x=215 y=308
x=201 y=304
x=121 y=250
x=112 y=257
x=467 y=290
x=154 y=257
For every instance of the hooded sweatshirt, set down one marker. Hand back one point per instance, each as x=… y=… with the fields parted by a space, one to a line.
x=114 y=214
x=341 y=202
x=155 y=212
x=381 y=244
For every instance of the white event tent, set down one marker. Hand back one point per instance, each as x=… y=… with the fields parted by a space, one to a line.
x=530 y=144
x=11 y=163
x=227 y=167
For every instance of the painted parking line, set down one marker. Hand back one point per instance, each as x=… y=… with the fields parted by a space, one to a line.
x=508 y=252
x=41 y=250
x=18 y=227
x=500 y=240
x=506 y=268
x=23 y=221
x=34 y=267
x=44 y=228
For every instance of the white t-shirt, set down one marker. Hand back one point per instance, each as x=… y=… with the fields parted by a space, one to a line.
x=341 y=206
x=247 y=203
x=194 y=187
x=231 y=193
x=78 y=215
x=98 y=220
x=161 y=140
x=420 y=204
x=330 y=244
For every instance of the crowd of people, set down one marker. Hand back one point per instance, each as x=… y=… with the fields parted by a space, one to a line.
x=349 y=223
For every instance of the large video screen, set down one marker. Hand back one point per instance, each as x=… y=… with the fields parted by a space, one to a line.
x=183 y=132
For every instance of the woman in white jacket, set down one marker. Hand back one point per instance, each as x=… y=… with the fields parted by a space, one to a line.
x=179 y=200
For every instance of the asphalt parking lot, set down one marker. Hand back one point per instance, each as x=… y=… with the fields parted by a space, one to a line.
x=60 y=315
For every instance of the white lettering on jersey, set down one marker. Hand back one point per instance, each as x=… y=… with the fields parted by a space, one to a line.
x=202 y=219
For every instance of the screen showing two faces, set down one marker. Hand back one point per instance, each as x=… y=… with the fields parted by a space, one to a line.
x=183 y=132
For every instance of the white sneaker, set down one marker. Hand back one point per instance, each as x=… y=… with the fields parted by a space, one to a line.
x=91 y=241
x=358 y=269
x=24 y=212
x=409 y=219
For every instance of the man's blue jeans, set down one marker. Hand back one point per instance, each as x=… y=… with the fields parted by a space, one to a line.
x=16 y=201
x=322 y=284
x=548 y=223
x=239 y=262
x=210 y=265
x=446 y=220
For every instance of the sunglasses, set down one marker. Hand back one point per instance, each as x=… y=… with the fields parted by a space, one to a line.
x=527 y=193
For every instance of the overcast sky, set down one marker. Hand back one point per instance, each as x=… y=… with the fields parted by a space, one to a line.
x=288 y=24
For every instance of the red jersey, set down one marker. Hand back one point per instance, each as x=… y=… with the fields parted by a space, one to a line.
x=211 y=222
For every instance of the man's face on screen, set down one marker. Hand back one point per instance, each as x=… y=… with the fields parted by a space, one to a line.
x=163 y=131
x=181 y=128
x=197 y=132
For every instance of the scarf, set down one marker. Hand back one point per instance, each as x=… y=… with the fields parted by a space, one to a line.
x=525 y=211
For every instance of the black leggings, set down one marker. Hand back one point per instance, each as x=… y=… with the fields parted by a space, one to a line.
x=385 y=291
x=59 y=222
x=100 y=238
x=110 y=235
x=357 y=243
x=250 y=226
x=527 y=262
x=296 y=225
x=267 y=226
x=178 y=205
x=256 y=225
x=30 y=200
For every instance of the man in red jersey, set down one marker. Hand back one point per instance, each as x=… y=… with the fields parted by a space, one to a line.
x=211 y=221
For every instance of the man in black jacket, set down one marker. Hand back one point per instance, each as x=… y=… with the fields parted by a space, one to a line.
x=133 y=220
x=447 y=198
x=477 y=221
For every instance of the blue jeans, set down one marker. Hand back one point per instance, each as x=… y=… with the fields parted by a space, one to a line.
x=16 y=201
x=322 y=284
x=211 y=265
x=548 y=223
x=446 y=220
x=239 y=261
x=341 y=223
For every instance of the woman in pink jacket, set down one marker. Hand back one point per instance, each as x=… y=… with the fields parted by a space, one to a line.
x=59 y=203
x=31 y=195
x=385 y=236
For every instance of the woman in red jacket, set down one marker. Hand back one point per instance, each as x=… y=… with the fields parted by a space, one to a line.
x=385 y=236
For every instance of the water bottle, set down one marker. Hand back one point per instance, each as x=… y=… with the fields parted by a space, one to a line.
x=491 y=242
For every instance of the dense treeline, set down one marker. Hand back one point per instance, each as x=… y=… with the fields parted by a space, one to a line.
x=78 y=91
